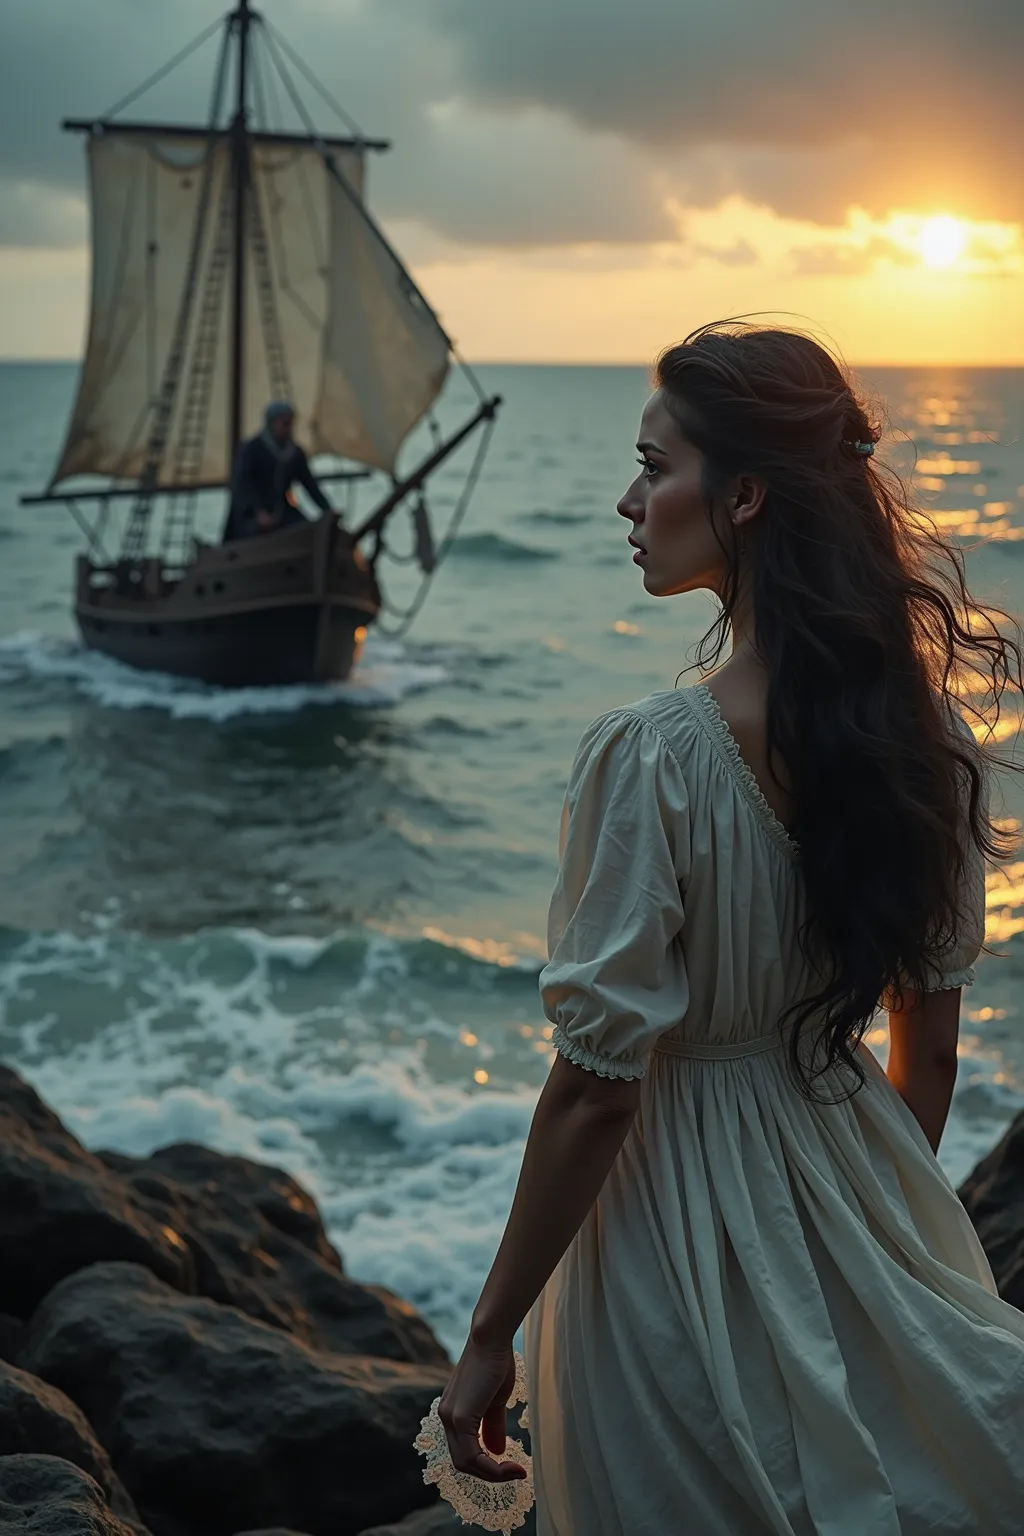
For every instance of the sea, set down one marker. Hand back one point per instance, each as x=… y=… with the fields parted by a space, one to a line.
x=305 y=924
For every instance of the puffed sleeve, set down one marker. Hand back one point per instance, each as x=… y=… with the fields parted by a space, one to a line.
x=616 y=978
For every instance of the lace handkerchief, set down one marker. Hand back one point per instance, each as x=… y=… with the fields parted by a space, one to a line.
x=492 y=1506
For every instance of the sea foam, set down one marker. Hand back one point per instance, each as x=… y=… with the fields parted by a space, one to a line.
x=384 y=676
x=346 y=1061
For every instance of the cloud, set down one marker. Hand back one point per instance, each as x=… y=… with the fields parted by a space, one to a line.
x=739 y=254
x=844 y=258
x=467 y=174
x=33 y=214
x=545 y=182
x=582 y=121
x=922 y=89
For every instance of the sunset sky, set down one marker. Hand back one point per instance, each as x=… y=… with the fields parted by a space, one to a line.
x=585 y=180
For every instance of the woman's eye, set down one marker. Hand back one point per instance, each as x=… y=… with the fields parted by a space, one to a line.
x=649 y=469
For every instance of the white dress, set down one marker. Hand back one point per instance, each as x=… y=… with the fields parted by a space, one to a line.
x=777 y=1317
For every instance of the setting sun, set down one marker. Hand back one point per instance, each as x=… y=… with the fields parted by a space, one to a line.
x=942 y=240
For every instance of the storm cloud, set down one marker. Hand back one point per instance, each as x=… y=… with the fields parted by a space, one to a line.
x=520 y=122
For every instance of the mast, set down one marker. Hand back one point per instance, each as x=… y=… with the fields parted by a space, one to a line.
x=373 y=392
x=241 y=22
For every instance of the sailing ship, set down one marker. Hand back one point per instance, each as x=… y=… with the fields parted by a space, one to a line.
x=234 y=263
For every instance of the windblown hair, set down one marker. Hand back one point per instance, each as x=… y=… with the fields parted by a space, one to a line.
x=873 y=643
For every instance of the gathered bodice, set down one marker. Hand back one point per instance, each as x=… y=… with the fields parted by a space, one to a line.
x=676 y=919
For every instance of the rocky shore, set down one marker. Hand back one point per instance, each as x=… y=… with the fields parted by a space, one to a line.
x=183 y=1354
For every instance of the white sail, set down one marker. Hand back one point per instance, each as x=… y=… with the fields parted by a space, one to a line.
x=330 y=315
x=385 y=356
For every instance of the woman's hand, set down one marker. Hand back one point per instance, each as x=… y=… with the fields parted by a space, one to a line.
x=475 y=1398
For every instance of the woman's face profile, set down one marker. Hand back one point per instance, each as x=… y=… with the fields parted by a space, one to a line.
x=673 y=533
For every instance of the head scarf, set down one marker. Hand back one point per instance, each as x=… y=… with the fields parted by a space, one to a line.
x=274 y=411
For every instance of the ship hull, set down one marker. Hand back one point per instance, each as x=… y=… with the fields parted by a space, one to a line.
x=290 y=607
x=258 y=649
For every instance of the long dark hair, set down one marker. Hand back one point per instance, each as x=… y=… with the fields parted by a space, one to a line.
x=863 y=618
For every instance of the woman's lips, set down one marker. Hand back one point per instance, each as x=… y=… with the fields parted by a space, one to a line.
x=639 y=556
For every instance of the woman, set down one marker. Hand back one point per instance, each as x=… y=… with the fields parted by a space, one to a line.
x=755 y=1302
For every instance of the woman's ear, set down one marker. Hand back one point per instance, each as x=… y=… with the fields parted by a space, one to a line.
x=745 y=499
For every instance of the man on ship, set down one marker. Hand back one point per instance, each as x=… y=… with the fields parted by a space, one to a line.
x=269 y=464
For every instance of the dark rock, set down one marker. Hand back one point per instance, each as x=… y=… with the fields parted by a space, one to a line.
x=218 y=1423
x=61 y=1208
x=36 y=1418
x=236 y=1231
x=994 y=1197
x=12 y=1331
x=258 y=1243
x=44 y=1496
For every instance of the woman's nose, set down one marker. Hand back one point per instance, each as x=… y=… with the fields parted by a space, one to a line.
x=630 y=504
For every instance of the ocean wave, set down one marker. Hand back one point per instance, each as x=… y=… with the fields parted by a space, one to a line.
x=384 y=676
x=1010 y=541
x=493 y=546
x=425 y=1220
x=450 y=725
x=395 y=1076
x=562 y=519
x=356 y=1062
x=361 y=957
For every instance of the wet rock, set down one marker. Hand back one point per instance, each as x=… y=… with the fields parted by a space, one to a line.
x=994 y=1197
x=12 y=1331
x=36 y=1418
x=44 y=1496
x=228 y=1228
x=218 y=1423
x=61 y=1208
x=258 y=1243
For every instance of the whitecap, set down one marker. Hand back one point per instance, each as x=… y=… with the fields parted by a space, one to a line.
x=385 y=675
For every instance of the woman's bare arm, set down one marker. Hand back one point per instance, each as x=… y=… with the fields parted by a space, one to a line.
x=922 y=1066
x=580 y=1122
x=579 y=1125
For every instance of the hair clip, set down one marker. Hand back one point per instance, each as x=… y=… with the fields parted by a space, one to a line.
x=866 y=449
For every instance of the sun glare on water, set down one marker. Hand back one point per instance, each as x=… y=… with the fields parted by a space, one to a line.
x=942 y=240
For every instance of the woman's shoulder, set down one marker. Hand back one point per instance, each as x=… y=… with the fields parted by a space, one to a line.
x=668 y=720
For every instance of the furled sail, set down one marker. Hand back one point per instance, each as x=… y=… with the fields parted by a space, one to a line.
x=331 y=318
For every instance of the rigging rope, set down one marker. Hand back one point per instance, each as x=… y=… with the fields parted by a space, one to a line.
x=259 y=91
x=269 y=39
x=134 y=543
x=406 y=616
x=268 y=113
x=318 y=86
x=470 y=375
x=165 y=69
x=276 y=115
x=193 y=416
x=278 y=371
x=353 y=196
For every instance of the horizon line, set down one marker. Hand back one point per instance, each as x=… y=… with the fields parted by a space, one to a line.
x=569 y=362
